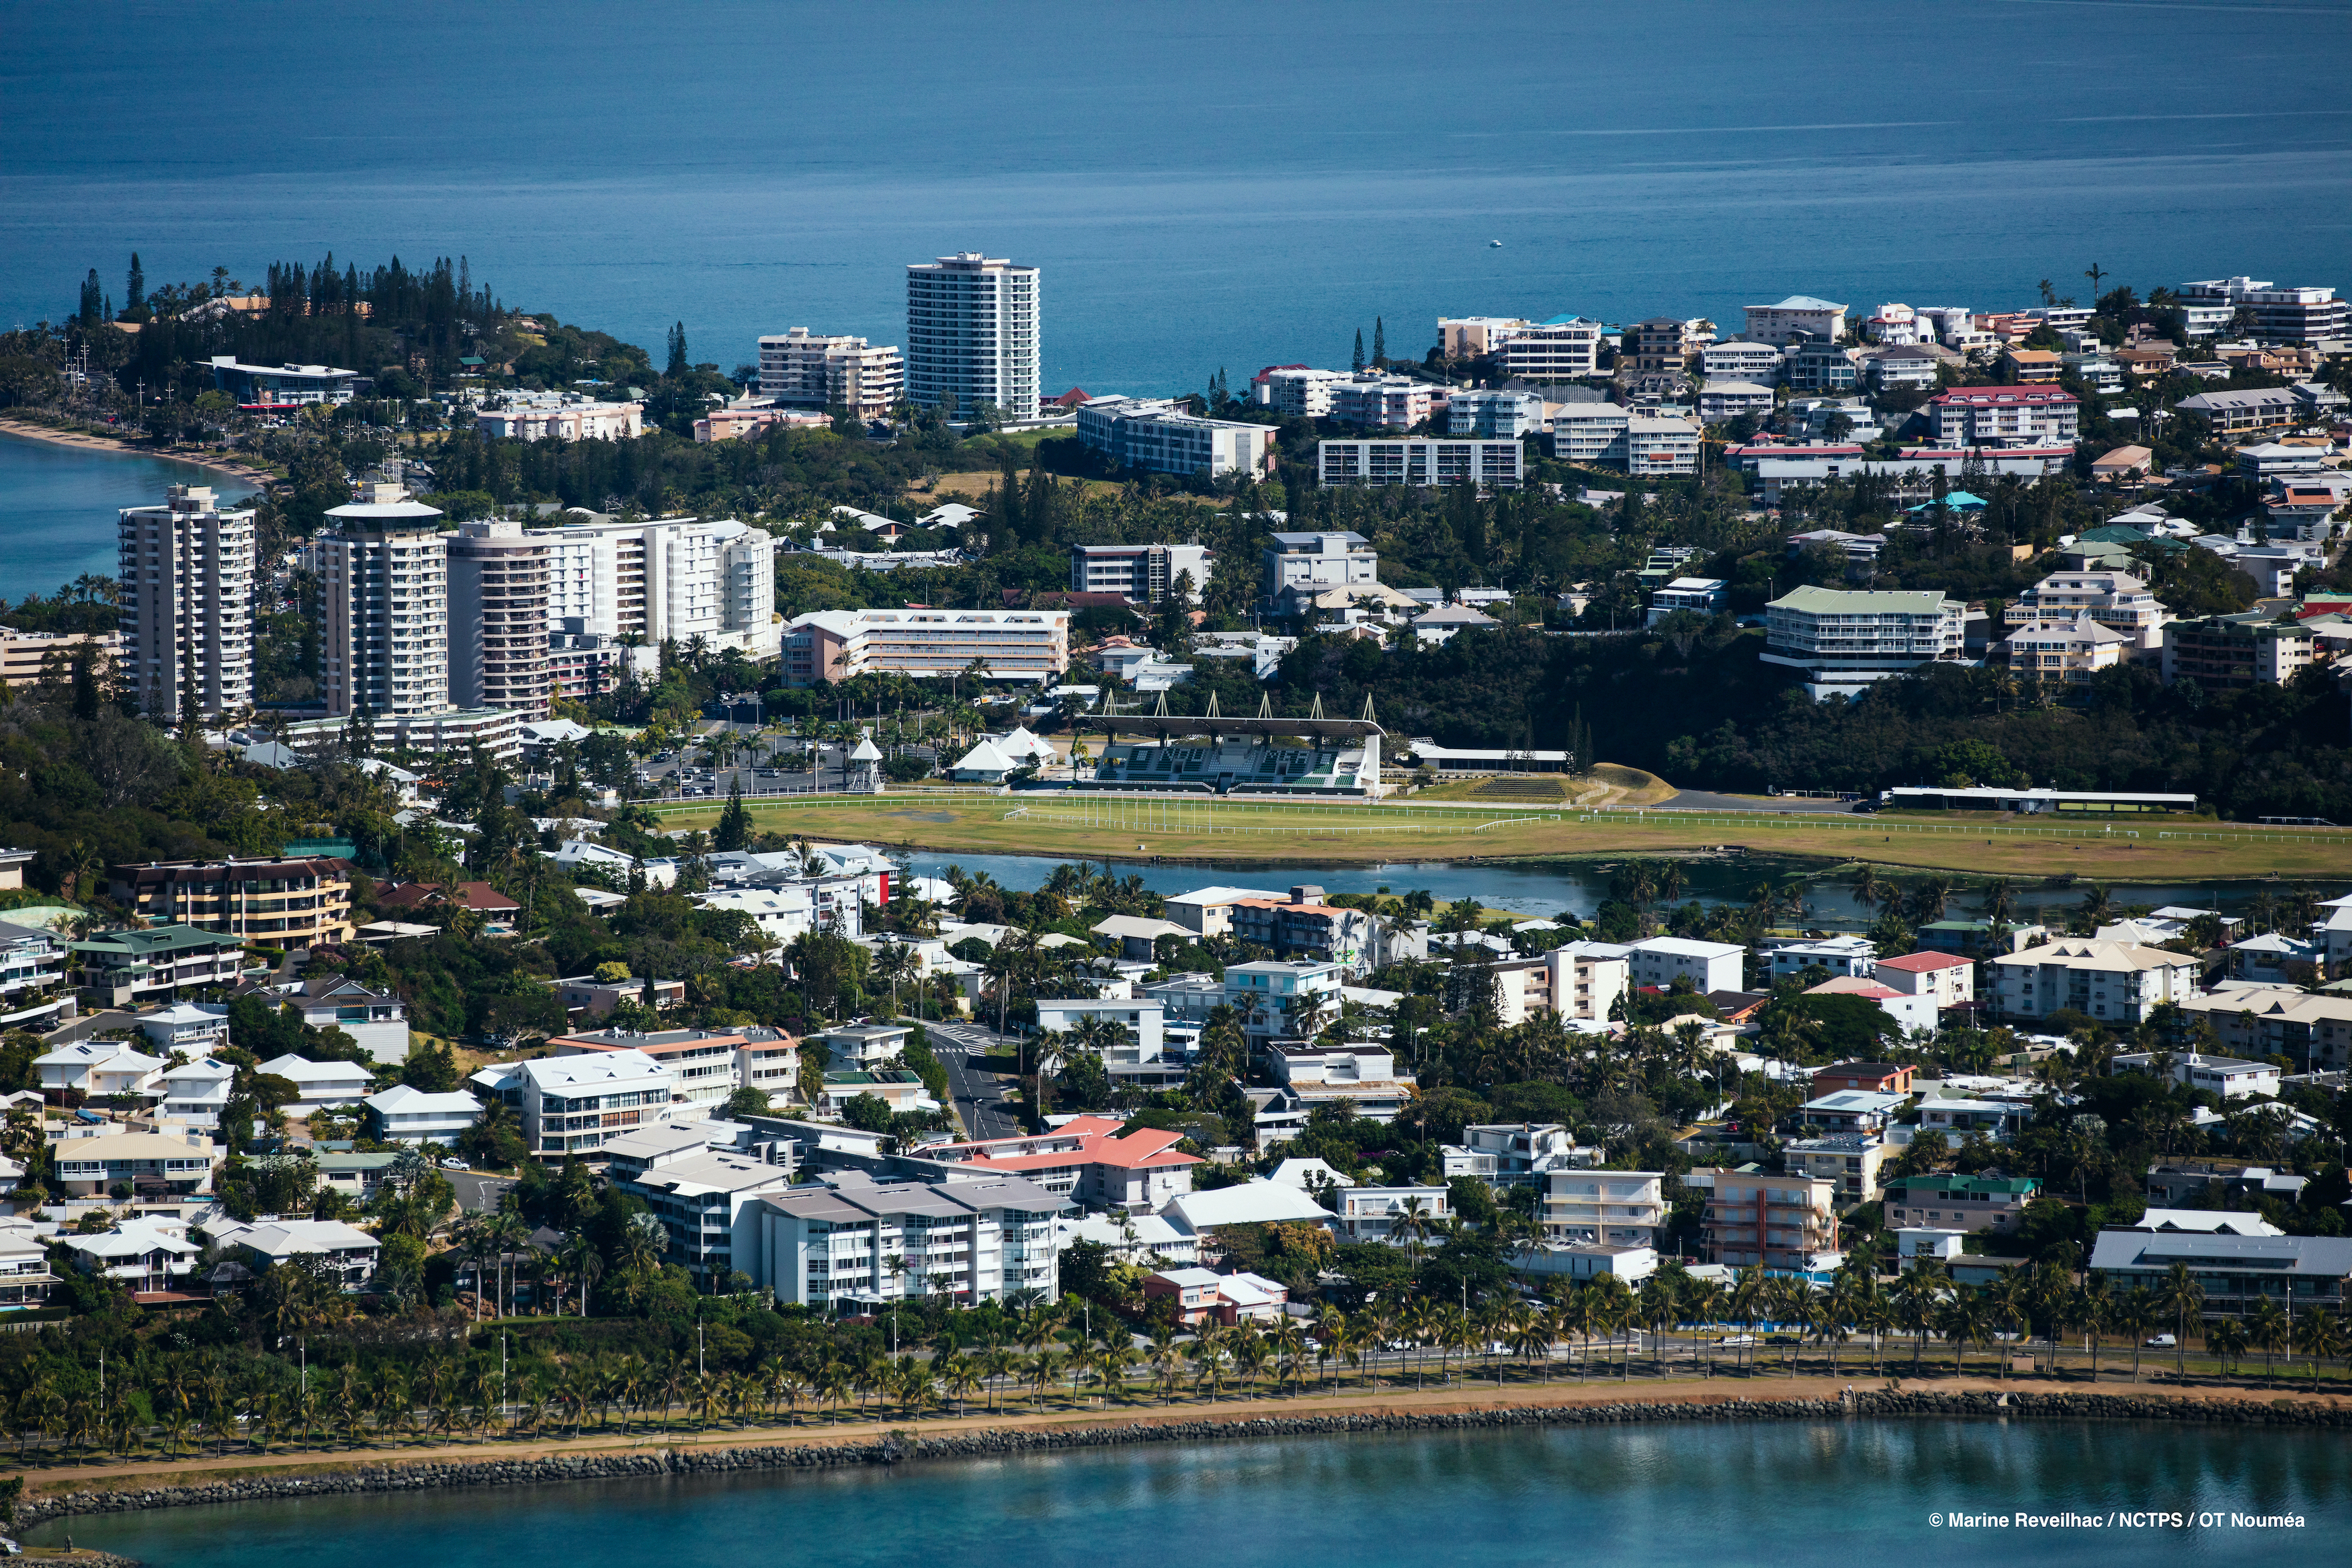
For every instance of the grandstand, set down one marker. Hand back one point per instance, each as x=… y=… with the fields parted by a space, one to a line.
x=1213 y=754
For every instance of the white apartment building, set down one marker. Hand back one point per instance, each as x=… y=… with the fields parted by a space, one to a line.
x=1798 y=313
x=1613 y=1208
x=1313 y=561
x=2004 y=416
x=186 y=572
x=1721 y=401
x=1898 y=325
x=1856 y=957
x=384 y=585
x=1468 y=337
x=2289 y=315
x=1572 y=981
x=1299 y=390
x=800 y=369
x=574 y=1104
x=1376 y=400
x=1661 y=444
x=709 y=1203
x=1742 y=361
x=1564 y=349
x=1016 y=645
x=498 y=618
x=1589 y=432
x=2115 y=982
x=978 y=1236
x=1845 y=639
x=972 y=334
x=1385 y=1214
x=2070 y=650
x=1281 y=1000
x=1159 y=435
x=669 y=579
x=2116 y=600
x=1422 y=461
x=1660 y=961
x=1494 y=416
x=1145 y=574
x=560 y=416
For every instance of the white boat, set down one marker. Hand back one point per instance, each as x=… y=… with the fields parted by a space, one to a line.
x=1494 y=245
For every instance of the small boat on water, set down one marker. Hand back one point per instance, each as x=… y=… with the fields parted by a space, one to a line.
x=1494 y=245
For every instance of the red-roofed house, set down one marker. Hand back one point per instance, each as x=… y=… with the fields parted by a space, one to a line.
x=1911 y=1012
x=1946 y=976
x=1871 y=1077
x=1089 y=1159
x=478 y=897
x=1070 y=399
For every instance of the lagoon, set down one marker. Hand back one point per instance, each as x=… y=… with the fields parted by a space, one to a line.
x=1721 y=1495
x=57 y=507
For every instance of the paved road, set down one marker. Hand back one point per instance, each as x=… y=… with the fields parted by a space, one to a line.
x=1701 y=800
x=478 y=1194
x=979 y=1095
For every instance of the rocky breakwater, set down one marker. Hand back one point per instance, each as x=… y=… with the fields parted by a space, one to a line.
x=896 y=1447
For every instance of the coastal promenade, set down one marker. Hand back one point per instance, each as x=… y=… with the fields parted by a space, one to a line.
x=142 y=1483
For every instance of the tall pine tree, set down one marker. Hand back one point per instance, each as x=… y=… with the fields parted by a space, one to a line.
x=1359 y=349
x=677 y=365
x=93 y=300
x=1379 y=344
x=734 y=830
x=135 y=286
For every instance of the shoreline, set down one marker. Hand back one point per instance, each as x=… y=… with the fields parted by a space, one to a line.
x=991 y=1437
x=83 y=441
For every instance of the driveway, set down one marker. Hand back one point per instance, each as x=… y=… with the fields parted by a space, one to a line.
x=978 y=1094
x=89 y=1024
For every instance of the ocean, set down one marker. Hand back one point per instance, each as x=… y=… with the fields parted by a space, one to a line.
x=1723 y=1495
x=1205 y=186
x=57 y=507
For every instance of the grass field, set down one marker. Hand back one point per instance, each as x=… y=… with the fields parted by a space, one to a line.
x=1076 y=827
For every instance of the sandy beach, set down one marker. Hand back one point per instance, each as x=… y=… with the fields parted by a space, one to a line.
x=232 y=469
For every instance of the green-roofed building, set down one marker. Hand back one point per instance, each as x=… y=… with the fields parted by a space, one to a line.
x=115 y=969
x=1949 y=1202
x=1845 y=639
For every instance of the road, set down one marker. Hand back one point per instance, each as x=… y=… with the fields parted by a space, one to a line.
x=478 y=1194
x=89 y=1024
x=980 y=1095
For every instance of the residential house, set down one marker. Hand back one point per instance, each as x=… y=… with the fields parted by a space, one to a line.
x=1912 y=1014
x=1515 y=1154
x=32 y=971
x=376 y=1020
x=2228 y=1077
x=98 y=1070
x=1398 y=1215
x=594 y=997
x=1871 y=1077
x=1202 y=1296
x=1657 y=961
x=146 y=1252
x=1949 y=979
x=2221 y=1182
x=151 y=1165
x=1850 y=1160
x=349 y=1253
x=1363 y=1075
x=1851 y=1109
x=1838 y=956
x=195 y=1092
x=322 y=1085
x=1087 y=1159
x=402 y=1114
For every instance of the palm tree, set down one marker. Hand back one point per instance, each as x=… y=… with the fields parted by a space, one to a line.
x=1045 y=1369
x=2319 y=1335
x=2132 y=1313
x=2177 y=1294
x=1869 y=889
x=1965 y=1318
x=2005 y=1299
x=2267 y=1330
x=2226 y=1338
x=959 y=1375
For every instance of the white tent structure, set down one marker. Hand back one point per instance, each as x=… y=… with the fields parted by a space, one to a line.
x=983 y=764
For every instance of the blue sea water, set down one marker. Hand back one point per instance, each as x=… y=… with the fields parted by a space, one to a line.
x=1214 y=184
x=1721 y=1496
x=57 y=507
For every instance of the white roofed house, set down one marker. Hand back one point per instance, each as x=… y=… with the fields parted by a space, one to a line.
x=1389 y=1213
x=196 y=1092
x=98 y=1069
x=572 y=1104
x=190 y=1027
x=152 y=1164
x=146 y=1252
x=324 y=1085
x=347 y=1253
x=402 y=1114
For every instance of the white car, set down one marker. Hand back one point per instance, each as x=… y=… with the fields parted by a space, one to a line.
x=2162 y=1342
x=455 y=1165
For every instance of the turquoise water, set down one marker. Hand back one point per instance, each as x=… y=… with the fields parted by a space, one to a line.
x=1721 y=1496
x=1216 y=183
x=57 y=507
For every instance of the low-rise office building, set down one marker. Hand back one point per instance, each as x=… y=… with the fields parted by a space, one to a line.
x=1140 y=573
x=2238 y=1274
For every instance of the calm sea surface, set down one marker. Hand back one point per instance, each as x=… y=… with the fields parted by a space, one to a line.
x=57 y=507
x=1210 y=185
x=1723 y=1497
